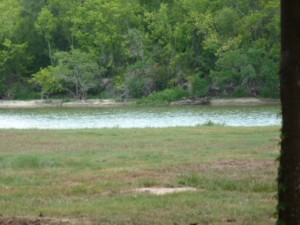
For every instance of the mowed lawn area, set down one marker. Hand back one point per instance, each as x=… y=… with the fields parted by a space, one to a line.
x=91 y=176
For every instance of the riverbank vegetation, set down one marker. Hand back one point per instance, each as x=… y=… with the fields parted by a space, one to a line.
x=133 y=49
x=92 y=175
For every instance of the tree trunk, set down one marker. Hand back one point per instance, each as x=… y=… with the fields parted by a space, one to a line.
x=50 y=52
x=289 y=170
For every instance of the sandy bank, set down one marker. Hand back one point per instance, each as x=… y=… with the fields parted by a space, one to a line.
x=244 y=101
x=229 y=102
x=110 y=102
x=59 y=103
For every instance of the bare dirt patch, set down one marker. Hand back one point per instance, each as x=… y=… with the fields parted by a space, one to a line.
x=42 y=221
x=243 y=164
x=162 y=190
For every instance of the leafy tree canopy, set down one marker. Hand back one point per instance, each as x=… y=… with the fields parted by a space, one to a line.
x=139 y=47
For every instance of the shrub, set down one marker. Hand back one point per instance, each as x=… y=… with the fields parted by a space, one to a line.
x=163 y=97
x=199 y=86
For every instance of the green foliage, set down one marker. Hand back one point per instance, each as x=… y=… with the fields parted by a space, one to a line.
x=46 y=79
x=19 y=91
x=139 y=79
x=250 y=72
x=199 y=86
x=46 y=23
x=227 y=21
x=163 y=97
x=9 y=18
x=150 y=45
x=135 y=86
x=13 y=59
x=76 y=71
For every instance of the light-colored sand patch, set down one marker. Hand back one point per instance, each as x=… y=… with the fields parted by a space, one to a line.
x=162 y=190
x=244 y=101
x=59 y=103
x=112 y=102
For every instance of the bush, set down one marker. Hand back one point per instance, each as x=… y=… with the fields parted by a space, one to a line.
x=135 y=86
x=21 y=91
x=139 y=79
x=164 y=97
x=199 y=86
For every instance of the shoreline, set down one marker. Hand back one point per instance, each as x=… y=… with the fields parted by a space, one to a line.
x=11 y=104
x=59 y=103
x=244 y=101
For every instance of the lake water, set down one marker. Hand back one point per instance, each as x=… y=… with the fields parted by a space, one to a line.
x=139 y=117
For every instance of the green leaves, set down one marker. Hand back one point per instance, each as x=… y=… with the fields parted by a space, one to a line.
x=227 y=21
x=230 y=45
x=46 y=23
x=13 y=58
x=199 y=86
x=46 y=79
x=250 y=71
x=75 y=72
x=78 y=72
x=10 y=11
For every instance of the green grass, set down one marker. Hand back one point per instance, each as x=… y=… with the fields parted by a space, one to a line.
x=92 y=174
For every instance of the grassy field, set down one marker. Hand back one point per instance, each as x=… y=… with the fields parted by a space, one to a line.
x=90 y=176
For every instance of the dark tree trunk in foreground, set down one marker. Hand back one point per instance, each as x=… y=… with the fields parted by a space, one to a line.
x=289 y=171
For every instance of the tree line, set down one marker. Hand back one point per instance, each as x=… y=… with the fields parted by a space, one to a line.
x=135 y=48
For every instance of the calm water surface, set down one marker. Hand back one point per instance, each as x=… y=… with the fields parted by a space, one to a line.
x=128 y=117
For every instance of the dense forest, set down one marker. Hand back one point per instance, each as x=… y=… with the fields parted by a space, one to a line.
x=136 y=48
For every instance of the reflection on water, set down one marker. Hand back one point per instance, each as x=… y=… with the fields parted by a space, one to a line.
x=127 y=117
